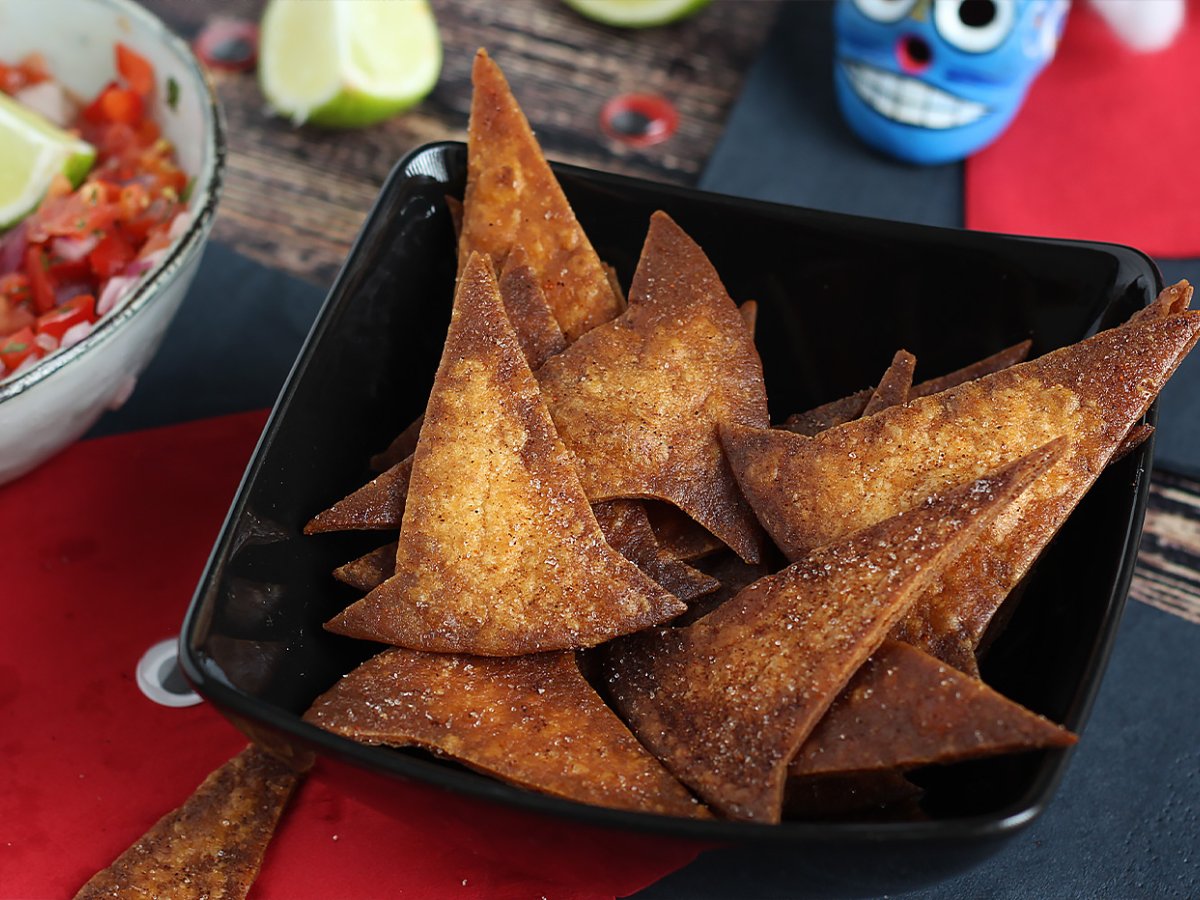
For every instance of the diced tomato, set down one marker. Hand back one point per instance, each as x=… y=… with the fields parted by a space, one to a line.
x=16 y=297
x=39 y=279
x=18 y=346
x=14 y=287
x=112 y=254
x=115 y=104
x=135 y=69
x=64 y=271
x=81 y=308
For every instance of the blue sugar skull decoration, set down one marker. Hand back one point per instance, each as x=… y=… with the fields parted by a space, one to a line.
x=932 y=81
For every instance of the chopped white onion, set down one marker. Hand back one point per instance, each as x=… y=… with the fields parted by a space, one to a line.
x=48 y=99
x=116 y=288
x=75 y=334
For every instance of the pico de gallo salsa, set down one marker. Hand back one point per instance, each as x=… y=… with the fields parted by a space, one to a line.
x=71 y=260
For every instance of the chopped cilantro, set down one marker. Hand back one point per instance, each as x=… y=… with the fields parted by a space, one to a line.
x=172 y=93
x=187 y=190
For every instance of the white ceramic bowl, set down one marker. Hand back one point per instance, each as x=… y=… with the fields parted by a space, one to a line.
x=50 y=405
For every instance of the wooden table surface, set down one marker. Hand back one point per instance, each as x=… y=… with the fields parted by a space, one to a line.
x=295 y=197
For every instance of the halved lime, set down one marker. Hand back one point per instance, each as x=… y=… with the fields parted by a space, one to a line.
x=347 y=63
x=32 y=152
x=636 y=13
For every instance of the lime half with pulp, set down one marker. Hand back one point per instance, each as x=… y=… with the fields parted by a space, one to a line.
x=32 y=152
x=347 y=63
x=636 y=13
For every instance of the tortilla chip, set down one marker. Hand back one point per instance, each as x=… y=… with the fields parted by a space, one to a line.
x=532 y=721
x=627 y=530
x=499 y=553
x=378 y=504
x=513 y=199
x=1137 y=436
x=212 y=845
x=904 y=709
x=456 y=215
x=749 y=311
x=615 y=283
x=894 y=386
x=639 y=400
x=678 y=534
x=400 y=449
x=810 y=491
x=847 y=409
x=827 y=415
x=625 y=527
x=732 y=574
x=1009 y=356
x=864 y=795
x=370 y=570
x=726 y=702
x=528 y=312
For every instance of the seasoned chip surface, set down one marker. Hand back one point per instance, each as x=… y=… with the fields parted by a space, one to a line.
x=639 y=400
x=513 y=199
x=377 y=504
x=528 y=312
x=905 y=709
x=726 y=702
x=499 y=552
x=809 y=491
x=531 y=720
x=212 y=845
x=895 y=384
x=627 y=529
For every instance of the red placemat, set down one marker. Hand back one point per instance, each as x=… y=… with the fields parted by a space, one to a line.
x=103 y=548
x=1105 y=147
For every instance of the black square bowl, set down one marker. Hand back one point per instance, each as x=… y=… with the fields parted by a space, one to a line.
x=837 y=296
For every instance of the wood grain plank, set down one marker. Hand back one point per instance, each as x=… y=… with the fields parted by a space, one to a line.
x=295 y=197
x=1168 y=571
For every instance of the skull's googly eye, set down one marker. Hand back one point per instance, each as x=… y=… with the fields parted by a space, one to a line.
x=974 y=26
x=885 y=10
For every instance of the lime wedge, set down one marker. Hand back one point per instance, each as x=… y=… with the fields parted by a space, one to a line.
x=347 y=63
x=636 y=13
x=32 y=152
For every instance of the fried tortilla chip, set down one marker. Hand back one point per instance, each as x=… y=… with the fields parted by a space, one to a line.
x=904 y=709
x=370 y=570
x=499 y=553
x=726 y=702
x=627 y=529
x=513 y=199
x=749 y=311
x=1009 y=356
x=810 y=491
x=847 y=409
x=454 y=205
x=378 y=504
x=895 y=384
x=677 y=533
x=1137 y=436
x=532 y=721
x=537 y=333
x=639 y=400
x=615 y=283
x=211 y=846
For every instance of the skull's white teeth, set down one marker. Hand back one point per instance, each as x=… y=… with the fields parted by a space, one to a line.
x=909 y=100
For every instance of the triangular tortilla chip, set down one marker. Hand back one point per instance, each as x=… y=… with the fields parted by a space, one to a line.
x=499 y=551
x=1009 y=356
x=849 y=408
x=625 y=527
x=627 y=530
x=905 y=709
x=1137 y=436
x=378 y=504
x=532 y=721
x=639 y=400
x=809 y=491
x=370 y=570
x=895 y=384
x=726 y=702
x=749 y=311
x=537 y=333
x=513 y=199
x=211 y=846
x=678 y=534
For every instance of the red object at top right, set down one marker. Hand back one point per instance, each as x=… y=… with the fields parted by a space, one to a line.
x=1105 y=147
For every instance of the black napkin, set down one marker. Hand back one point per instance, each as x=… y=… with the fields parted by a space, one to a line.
x=785 y=141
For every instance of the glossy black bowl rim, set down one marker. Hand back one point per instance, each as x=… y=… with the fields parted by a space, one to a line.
x=959 y=830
